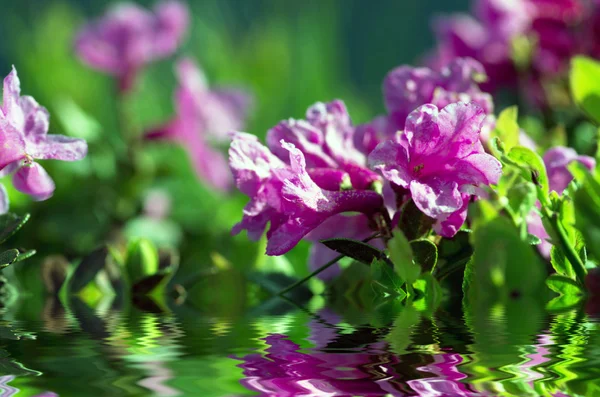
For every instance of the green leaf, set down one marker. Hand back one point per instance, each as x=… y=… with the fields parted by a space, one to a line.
x=355 y=249
x=142 y=260
x=385 y=277
x=532 y=239
x=401 y=255
x=425 y=254
x=563 y=285
x=87 y=270
x=522 y=198
x=563 y=303
x=8 y=257
x=507 y=128
x=503 y=264
x=534 y=169
x=413 y=222
x=25 y=255
x=585 y=85
x=10 y=224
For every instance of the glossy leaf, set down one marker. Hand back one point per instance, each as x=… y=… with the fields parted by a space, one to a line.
x=385 y=277
x=355 y=249
x=585 y=85
x=425 y=254
x=8 y=257
x=563 y=285
x=413 y=222
x=507 y=128
x=534 y=169
x=25 y=255
x=10 y=224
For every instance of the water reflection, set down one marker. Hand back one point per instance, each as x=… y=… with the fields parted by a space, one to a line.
x=282 y=349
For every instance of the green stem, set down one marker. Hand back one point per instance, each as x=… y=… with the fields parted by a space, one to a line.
x=568 y=248
x=319 y=270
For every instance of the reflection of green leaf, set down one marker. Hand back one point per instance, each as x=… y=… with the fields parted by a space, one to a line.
x=401 y=255
x=585 y=85
x=355 y=249
x=400 y=336
x=10 y=224
x=563 y=285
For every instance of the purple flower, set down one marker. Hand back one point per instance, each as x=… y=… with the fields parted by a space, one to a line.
x=204 y=115
x=439 y=158
x=405 y=88
x=129 y=36
x=556 y=160
x=285 y=195
x=24 y=137
x=326 y=139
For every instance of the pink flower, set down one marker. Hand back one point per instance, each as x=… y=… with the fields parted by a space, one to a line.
x=129 y=36
x=439 y=158
x=405 y=88
x=204 y=115
x=24 y=137
x=556 y=160
x=326 y=139
x=285 y=195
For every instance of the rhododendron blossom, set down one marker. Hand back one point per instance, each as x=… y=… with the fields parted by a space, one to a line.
x=405 y=88
x=556 y=160
x=326 y=139
x=204 y=115
x=285 y=195
x=440 y=160
x=129 y=37
x=24 y=138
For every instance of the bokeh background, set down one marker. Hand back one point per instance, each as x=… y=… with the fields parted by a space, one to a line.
x=288 y=54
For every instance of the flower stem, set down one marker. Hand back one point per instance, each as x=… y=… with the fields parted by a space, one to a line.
x=319 y=270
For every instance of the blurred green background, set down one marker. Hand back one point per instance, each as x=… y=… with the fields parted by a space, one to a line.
x=288 y=54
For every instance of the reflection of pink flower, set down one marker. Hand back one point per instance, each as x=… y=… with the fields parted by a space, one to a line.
x=286 y=371
x=129 y=36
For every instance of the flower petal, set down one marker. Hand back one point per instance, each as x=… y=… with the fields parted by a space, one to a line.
x=12 y=143
x=34 y=181
x=436 y=198
x=391 y=158
x=4 y=202
x=58 y=147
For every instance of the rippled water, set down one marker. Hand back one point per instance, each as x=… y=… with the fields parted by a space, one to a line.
x=283 y=348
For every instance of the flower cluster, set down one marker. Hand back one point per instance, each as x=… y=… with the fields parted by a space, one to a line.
x=128 y=37
x=496 y=32
x=24 y=138
x=312 y=171
x=204 y=115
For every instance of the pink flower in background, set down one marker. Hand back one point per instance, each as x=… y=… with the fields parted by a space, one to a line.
x=24 y=137
x=488 y=36
x=439 y=158
x=129 y=37
x=285 y=195
x=326 y=139
x=204 y=115
x=405 y=88
x=556 y=160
